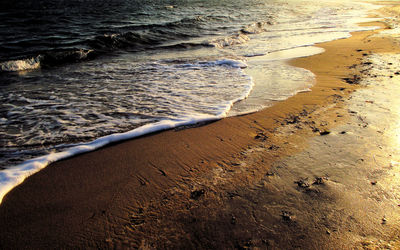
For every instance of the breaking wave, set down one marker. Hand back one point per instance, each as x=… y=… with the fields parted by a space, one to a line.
x=48 y=59
x=18 y=65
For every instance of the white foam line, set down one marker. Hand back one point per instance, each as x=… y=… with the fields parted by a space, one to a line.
x=11 y=177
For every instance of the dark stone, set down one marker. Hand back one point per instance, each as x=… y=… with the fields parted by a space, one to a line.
x=195 y=195
x=354 y=80
x=261 y=136
x=273 y=147
x=286 y=216
x=320 y=180
x=302 y=183
x=304 y=112
x=314 y=129
x=233 y=220
x=292 y=119
x=324 y=132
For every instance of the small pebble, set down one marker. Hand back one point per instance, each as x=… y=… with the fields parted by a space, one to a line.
x=286 y=216
x=233 y=220
x=324 y=132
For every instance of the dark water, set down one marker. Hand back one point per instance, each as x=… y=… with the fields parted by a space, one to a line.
x=65 y=31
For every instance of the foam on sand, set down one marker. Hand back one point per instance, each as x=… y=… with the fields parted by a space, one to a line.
x=11 y=177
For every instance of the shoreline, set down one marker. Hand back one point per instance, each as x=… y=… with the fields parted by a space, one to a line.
x=186 y=176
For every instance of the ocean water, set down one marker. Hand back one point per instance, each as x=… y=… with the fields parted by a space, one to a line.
x=76 y=75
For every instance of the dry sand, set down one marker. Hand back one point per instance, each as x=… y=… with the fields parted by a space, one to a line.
x=317 y=171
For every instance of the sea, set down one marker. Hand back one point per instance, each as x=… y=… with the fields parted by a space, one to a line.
x=76 y=75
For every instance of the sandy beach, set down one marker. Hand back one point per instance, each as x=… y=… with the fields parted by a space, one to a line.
x=320 y=170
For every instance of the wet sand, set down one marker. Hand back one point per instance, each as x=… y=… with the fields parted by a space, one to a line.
x=317 y=171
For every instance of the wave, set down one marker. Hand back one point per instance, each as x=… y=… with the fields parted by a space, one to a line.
x=19 y=65
x=144 y=36
x=241 y=37
x=185 y=45
x=139 y=38
x=228 y=41
x=229 y=62
x=256 y=28
x=136 y=41
x=193 y=22
x=53 y=58
x=108 y=43
x=133 y=38
x=47 y=59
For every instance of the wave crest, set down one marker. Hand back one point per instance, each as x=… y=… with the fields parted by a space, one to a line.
x=48 y=59
x=19 y=65
x=228 y=41
x=256 y=28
